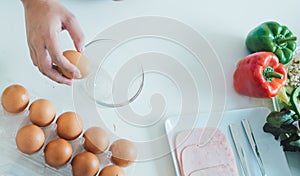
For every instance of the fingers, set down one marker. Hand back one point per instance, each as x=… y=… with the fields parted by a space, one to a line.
x=74 y=29
x=57 y=57
x=44 y=21
x=45 y=54
x=33 y=56
x=45 y=66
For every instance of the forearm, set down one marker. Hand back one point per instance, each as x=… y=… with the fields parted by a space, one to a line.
x=27 y=3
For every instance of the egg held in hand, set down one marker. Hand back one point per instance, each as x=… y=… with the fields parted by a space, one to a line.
x=123 y=151
x=80 y=61
x=15 y=98
x=85 y=164
x=41 y=112
x=30 y=139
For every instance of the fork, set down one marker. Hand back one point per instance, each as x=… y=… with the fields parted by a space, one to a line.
x=251 y=139
x=239 y=148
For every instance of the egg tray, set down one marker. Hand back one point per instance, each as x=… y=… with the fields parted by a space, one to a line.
x=11 y=124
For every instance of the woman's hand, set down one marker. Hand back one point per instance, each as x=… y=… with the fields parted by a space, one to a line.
x=45 y=19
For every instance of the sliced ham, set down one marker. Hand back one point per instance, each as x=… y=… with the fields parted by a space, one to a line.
x=197 y=137
x=204 y=150
x=220 y=170
x=208 y=156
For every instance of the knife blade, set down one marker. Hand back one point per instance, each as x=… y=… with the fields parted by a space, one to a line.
x=253 y=144
x=238 y=147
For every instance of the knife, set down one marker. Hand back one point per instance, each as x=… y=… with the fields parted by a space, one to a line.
x=238 y=148
x=251 y=139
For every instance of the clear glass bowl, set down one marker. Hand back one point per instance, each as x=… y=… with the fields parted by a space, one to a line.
x=106 y=85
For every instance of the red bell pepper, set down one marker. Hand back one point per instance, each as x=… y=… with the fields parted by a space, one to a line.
x=259 y=75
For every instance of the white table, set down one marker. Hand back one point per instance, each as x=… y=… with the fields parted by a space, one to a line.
x=224 y=24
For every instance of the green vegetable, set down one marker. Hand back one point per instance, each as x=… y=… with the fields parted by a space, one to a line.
x=277 y=119
x=295 y=143
x=291 y=143
x=284 y=125
x=273 y=37
x=283 y=96
x=295 y=100
x=275 y=131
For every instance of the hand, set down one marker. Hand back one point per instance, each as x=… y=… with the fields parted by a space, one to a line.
x=44 y=20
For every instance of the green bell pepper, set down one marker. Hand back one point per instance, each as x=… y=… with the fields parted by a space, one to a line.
x=273 y=37
x=295 y=100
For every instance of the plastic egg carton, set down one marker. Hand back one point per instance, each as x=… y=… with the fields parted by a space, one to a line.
x=11 y=124
x=14 y=162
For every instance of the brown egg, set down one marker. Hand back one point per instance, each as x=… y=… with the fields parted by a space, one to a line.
x=41 y=112
x=124 y=152
x=112 y=170
x=85 y=164
x=69 y=125
x=80 y=61
x=57 y=152
x=30 y=139
x=96 y=140
x=15 y=98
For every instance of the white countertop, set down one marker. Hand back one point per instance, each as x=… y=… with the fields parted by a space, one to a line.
x=224 y=24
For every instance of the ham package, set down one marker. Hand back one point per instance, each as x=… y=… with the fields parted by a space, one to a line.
x=205 y=152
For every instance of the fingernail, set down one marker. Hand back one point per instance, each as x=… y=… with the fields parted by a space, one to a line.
x=81 y=49
x=68 y=82
x=77 y=75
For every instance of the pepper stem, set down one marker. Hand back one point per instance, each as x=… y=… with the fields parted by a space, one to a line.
x=269 y=74
x=284 y=40
x=274 y=75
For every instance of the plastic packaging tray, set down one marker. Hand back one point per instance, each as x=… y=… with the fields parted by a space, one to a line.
x=269 y=148
x=14 y=162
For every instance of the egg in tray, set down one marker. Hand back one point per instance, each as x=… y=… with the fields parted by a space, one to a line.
x=56 y=141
